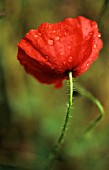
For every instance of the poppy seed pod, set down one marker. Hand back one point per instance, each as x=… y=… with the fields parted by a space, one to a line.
x=51 y=51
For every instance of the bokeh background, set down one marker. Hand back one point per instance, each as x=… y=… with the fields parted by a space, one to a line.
x=32 y=114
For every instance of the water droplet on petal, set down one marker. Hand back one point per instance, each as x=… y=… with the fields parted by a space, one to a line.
x=99 y=35
x=50 y=42
x=57 y=38
x=70 y=58
x=95 y=46
x=90 y=33
x=36 y=35
x=87 y=64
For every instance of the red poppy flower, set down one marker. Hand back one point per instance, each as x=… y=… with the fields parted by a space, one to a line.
x=51 y=51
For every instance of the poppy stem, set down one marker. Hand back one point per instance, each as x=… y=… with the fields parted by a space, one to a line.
x=82 y=91
x=54 y=155
x=69 y=106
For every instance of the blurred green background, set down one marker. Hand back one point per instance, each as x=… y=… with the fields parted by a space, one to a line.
x=32 y=114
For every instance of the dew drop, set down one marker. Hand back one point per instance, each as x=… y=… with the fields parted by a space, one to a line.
x=57 y=38
x=87 y=64
x=70 y=59
x=50 y=42
x=99 y=35
x=36 y=35
x=95 y=45
x=90 y=33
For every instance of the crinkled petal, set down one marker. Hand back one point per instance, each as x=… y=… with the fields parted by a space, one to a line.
x=51 y=51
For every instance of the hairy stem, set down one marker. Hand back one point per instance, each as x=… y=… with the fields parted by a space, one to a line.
x=61 y=138
x=53 y=156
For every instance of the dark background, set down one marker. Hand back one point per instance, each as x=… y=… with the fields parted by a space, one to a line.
x=32 y=114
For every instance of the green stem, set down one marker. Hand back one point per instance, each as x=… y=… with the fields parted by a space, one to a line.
x=60 y=140
x=82 y=91
x=53 y=156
